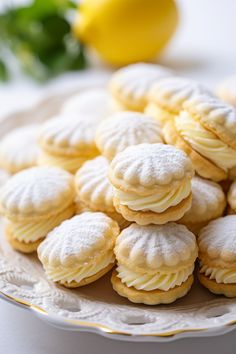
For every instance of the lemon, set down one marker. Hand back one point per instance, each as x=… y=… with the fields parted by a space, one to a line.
x=126 y=31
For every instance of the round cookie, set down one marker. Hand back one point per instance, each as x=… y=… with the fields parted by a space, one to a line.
x=34 y=201
x=217 y=256
x=208 y=202
x=154 y=263
x=19 y=149
x=124 y=129
x=166 y=97
x=94 y=190
x=97 y=102
x=152 y=183
x=227 y=90
x=80 y=250
x=67 y=142
x=130 y=85
x=205 y=130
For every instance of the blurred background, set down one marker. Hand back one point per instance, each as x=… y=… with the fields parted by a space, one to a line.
x=57 y=45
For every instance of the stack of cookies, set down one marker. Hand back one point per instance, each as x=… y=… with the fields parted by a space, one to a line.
x=136 y=178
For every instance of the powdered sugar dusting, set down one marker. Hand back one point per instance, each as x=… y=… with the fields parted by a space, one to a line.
x=36 y=190
x=218 y=239
x=93 y=185
x=78 y=240
x=156 y=246
x=151 y=164
x=208 y=201
x=174 y=91
x=69 y=132
x=135 y=80
x=124 y=129
x=19 y=149
x=220 y=116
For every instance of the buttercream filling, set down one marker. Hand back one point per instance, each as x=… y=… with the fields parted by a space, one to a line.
x=156 y=202
x=33 y=231
x=66 y=162
x=149 y=282
x=78 y=273
x=225 y=276
x=205 y=142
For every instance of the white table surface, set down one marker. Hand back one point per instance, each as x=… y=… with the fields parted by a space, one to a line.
x=204 y=48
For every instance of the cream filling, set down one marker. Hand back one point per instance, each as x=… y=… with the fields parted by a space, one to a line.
x=224 y=276
x=33 y=231
x=157 y=202
x=71 y=164
x=149 y=282
x=67 y=275
x=205 y=142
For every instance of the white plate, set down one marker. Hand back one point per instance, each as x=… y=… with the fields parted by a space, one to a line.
x=96 y=307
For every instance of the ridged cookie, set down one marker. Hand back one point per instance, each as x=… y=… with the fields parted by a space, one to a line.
x=217 y=255
x=80 y=250
x=152 y=183
x=19 y=149
x=34 y=201
x=216 y=116
x=154 y=262
x=130 y=85
x=166 y=97
x=94 y=190
x=68 y=141
x=208 y=202
x=124 y=129
x=203 y=166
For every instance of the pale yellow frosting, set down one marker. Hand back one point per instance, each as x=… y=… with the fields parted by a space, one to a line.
x=68 y=274
x=223 y=276
x=158 y=201
x=148 y=282
x=32 y=231
x=205 y=142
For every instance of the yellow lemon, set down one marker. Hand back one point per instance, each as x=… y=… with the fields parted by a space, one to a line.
x=126 y=31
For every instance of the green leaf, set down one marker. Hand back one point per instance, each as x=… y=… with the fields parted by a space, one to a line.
x=4 y=74
x=39 y=34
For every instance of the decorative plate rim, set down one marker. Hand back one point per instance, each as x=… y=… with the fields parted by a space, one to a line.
x=88 y=326
x=108 y=332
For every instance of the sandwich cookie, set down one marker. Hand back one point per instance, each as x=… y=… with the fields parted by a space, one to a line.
x=34 y=201
x=129 y=86
x=67 y=142
x=152 y=183
x=124 y=129
x=208 y=203
x=19 y=149
x=166 y=97
x=155 y=263
x=80 y=250
x=217 y=256
x=206 y=131
x=94 y=190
